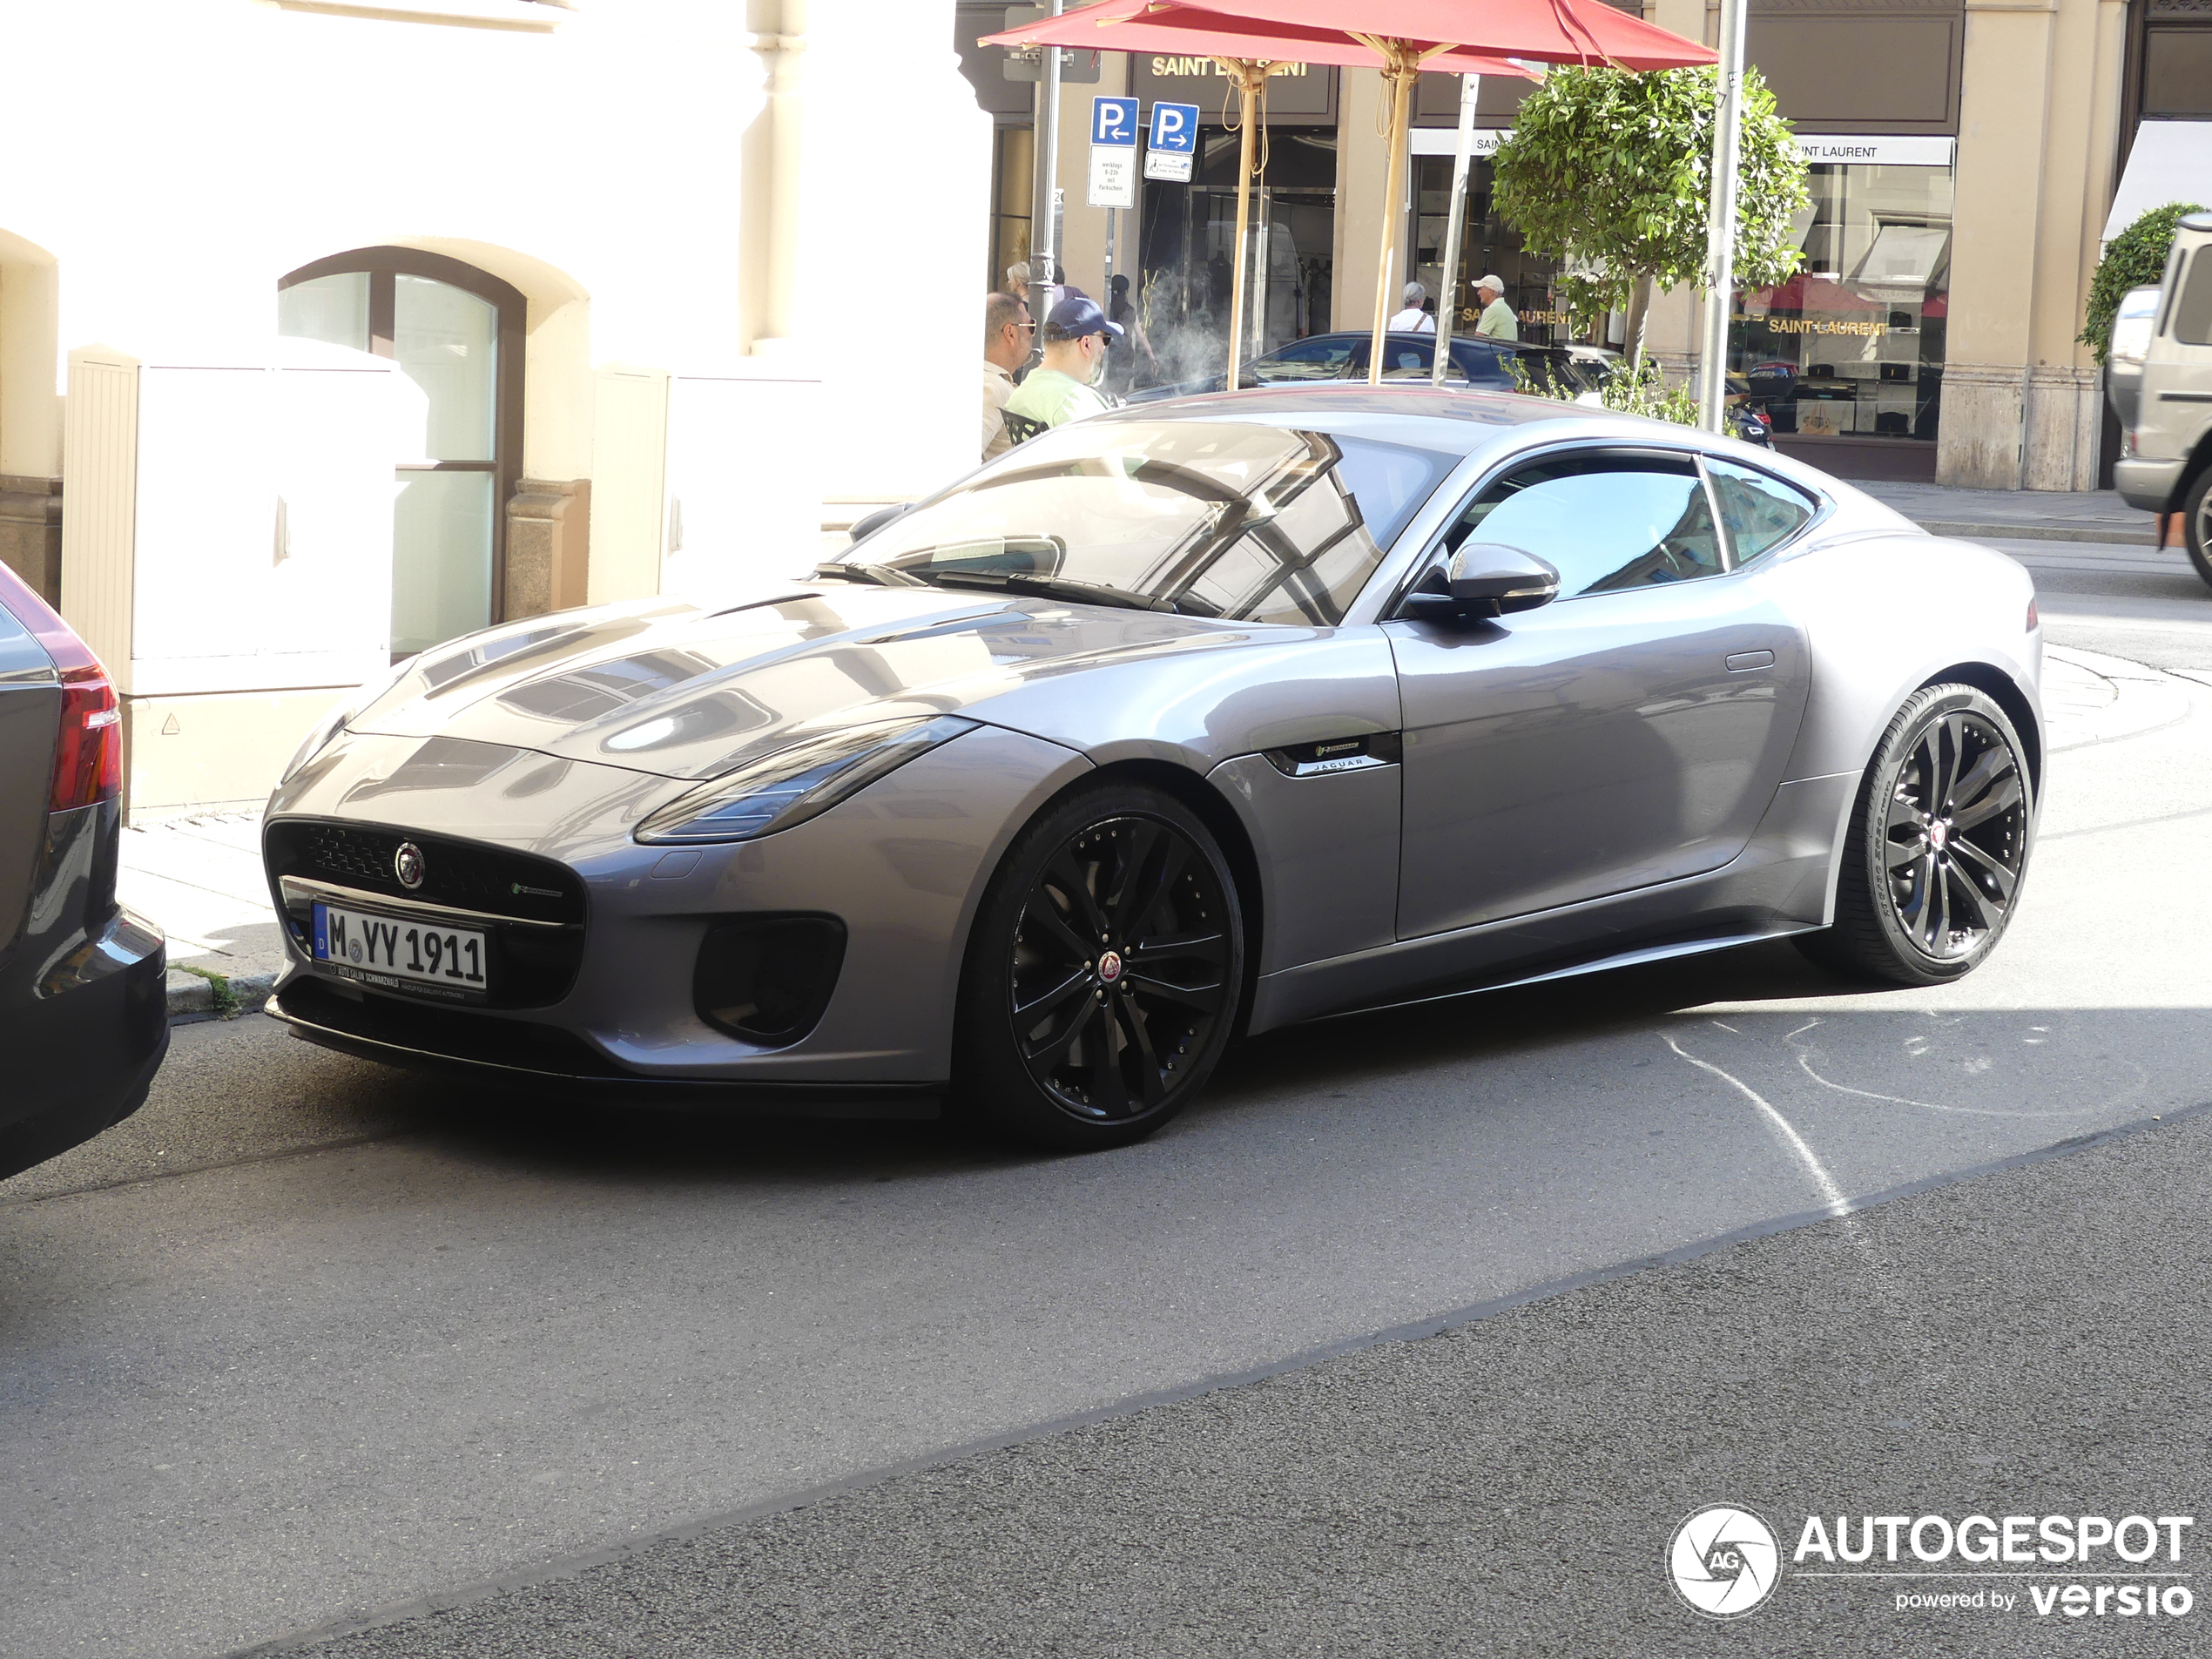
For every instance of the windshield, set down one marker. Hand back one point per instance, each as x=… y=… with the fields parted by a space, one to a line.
x=1248 y=523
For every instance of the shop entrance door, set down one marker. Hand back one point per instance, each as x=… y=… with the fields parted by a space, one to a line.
x=456 y=332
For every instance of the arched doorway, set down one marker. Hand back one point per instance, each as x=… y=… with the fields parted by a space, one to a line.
x=456 y=332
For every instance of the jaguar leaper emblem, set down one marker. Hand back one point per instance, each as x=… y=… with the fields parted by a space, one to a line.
x=406 y=863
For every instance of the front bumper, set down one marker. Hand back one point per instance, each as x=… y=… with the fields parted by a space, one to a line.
x=902 y=865
x=2148 y=485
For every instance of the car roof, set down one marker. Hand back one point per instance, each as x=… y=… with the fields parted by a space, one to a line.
x=1417 y=415
x=1473 y=341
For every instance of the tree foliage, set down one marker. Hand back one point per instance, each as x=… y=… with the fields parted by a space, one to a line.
x=2134 y=259
x=1610 y=172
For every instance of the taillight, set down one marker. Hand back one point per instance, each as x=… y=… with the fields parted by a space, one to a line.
x=88 y=750
x=2033 y=621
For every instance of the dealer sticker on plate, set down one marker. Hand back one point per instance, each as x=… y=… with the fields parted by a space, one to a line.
x=408 y=955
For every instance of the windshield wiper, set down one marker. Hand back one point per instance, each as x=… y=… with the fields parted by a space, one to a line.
x=882 y=574
x=1052 y=587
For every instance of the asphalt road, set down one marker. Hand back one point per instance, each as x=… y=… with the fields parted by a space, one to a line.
x=366 y=1340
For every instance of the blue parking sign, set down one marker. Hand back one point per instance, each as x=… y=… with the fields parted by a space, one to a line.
x=1173 y=144
x=1113 y=121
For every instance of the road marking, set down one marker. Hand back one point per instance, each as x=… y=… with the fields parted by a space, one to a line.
x=1838 y=1205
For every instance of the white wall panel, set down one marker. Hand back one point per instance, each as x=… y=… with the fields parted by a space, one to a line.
x=99 y=472
x=630 y=454
x=744 y=493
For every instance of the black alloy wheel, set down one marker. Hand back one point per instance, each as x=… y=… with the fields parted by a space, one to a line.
x=1104 y=974
x=2197 y=523
x=1938 y=844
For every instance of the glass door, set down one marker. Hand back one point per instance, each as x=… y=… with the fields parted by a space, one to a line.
x=456 y=332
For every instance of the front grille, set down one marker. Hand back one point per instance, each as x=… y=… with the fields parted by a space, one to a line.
x=529 y=966
x=466 y=874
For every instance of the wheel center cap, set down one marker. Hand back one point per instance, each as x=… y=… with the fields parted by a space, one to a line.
x=1109 y=966
x=1938 y=833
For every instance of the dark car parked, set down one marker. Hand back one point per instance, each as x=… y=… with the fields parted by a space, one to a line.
x=1482 y=364
x=84 y=1020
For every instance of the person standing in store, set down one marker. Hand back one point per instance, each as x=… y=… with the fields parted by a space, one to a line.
x=1497 y=320
x=1062 y=388
x=1006 y=330
x=1413 y=320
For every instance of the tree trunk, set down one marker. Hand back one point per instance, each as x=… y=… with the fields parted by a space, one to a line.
x=1639 y=313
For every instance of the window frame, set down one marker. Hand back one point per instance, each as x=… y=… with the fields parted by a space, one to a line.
x=383 y=265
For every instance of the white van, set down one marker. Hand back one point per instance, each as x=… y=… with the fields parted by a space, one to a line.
x=2161 y=381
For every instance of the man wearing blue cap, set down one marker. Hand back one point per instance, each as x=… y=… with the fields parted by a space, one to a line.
x=1060 y=388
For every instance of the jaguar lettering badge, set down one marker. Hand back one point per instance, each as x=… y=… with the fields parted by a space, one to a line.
x=406 y=863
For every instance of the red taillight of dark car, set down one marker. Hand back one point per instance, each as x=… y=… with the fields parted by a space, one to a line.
x=88 y=748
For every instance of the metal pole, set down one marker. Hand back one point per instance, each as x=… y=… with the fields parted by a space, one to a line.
x=1044 y=209
x=1448 y=302
x=1249 y=76
x=1401 y=76
x=1720 y=232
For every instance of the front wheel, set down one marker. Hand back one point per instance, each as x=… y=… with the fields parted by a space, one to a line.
x=1103 y=975
x=1937 y=846
x=2197 y=523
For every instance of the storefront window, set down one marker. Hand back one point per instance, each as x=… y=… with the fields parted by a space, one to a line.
x=1851 y=347
x=1489 y=247
x=1189 y=243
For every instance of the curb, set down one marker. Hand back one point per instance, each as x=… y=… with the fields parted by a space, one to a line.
x=2144 y=699
x=2118 y=535
x=197 y=994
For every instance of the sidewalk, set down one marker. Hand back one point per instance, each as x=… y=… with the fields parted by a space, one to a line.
x=2019 y=515
x=200 y=880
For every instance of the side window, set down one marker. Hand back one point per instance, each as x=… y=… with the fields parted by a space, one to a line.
x=1323 y=358
x=1606 y=522
x=1758 y=512
x=1487 y=367
x=2193 y=313
x=1407 y=360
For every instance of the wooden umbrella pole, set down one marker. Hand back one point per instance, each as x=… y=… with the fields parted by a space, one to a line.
x=1249 y=75
x=1403 y=69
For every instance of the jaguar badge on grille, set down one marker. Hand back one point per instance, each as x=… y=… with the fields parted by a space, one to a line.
x=406 y=863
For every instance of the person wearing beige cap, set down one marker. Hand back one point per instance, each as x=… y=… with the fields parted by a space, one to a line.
x=1497 y=321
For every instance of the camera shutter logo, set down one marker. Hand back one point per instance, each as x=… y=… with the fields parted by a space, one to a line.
x=1723 y=1561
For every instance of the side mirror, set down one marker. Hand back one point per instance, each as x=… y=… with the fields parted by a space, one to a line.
x=866 y=527
x=1484 y=579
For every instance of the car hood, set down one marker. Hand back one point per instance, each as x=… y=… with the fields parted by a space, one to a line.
x=679 y=690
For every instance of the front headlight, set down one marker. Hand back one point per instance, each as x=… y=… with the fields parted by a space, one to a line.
x=793 y=784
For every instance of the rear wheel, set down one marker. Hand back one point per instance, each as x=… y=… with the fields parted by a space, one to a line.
x=2197 y=523
x=1937 y=847
x=1103 y=975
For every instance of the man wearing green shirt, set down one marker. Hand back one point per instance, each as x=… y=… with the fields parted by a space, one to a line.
x=1060 y=388
x=1498 y=321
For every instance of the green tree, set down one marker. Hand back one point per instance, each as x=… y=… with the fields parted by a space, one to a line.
x=1610 y=172
x=2134 y=259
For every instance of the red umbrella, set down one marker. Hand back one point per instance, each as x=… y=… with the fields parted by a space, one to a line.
x=1249 y=50
x=1407 y=36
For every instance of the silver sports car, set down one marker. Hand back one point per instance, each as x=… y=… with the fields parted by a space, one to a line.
x=1176 y=724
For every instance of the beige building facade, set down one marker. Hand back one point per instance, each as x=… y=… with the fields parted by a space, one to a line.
x=330 y=330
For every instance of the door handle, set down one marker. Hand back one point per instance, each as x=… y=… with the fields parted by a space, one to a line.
x=1744 y=662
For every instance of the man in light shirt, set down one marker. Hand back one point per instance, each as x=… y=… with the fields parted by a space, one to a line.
x=1413 y=320
x=1497 y=321
x=1006 y=330
x=1059 y=390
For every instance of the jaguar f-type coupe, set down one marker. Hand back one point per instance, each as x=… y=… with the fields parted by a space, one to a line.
x=1176 y=723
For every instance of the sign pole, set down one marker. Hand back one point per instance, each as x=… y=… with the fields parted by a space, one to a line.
x=1250 y=75
x=1720 y=226
x=1045 y=156
x=1448 y=303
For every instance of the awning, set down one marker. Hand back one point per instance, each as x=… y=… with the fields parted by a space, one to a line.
x=2171 y=162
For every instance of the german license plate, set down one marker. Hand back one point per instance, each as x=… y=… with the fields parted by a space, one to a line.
x=395 y=951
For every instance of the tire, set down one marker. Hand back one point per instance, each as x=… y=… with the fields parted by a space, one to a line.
x=1937 y=846
x=1103 y=973
x=2197 y=523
